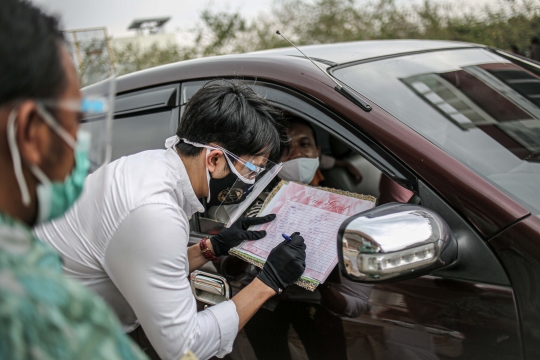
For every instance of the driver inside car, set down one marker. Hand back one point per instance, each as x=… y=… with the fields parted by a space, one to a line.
x=304 y=161
x=315 y=316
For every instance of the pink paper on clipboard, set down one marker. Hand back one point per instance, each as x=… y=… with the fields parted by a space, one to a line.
x=317 y=214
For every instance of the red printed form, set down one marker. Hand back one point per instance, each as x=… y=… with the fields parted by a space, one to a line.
x=317 y=215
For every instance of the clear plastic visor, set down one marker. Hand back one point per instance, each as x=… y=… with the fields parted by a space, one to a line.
x=98 y=109
x=239 y=197
x=247 y=170
x=254 y=174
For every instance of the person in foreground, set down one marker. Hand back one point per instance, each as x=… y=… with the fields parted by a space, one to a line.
x=43 y=315
x=141 y=260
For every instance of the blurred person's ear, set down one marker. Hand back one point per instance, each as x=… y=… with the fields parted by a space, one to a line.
x=32 y=134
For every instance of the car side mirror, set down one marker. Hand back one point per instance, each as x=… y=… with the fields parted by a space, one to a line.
x=394 y=242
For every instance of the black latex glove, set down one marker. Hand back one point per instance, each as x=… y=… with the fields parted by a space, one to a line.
x=285 y=264
x=233 y=236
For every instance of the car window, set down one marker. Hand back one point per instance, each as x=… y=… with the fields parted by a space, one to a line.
x=140 y=132
x=478 y=107
x=367 y=155
x=143 y=132
x=338 y=169
x=143 y=119
x=340 y=165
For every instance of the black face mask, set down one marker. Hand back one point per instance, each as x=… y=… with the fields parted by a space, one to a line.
x=223 y=192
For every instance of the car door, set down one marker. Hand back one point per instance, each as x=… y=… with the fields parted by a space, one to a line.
x=464 y=312
x=467 y=311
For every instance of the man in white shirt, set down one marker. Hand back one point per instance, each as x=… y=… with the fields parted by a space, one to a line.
x=139 y=260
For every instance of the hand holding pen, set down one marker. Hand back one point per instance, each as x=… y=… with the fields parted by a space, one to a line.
x=285 y=264
x=289 y=238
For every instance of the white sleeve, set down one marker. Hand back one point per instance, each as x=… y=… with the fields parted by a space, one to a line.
x=147 y=260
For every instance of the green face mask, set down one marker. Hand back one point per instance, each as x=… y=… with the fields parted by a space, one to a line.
x=54 y=197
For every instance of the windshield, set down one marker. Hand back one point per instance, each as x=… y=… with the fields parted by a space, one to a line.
x=475 y=105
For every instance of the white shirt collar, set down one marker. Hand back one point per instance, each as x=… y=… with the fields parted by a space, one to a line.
x=192 y=204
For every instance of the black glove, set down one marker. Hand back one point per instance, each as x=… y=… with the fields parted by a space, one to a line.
x=285 y=264
x=230 y=237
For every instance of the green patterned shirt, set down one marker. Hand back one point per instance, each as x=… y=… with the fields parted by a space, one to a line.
x=44 y=315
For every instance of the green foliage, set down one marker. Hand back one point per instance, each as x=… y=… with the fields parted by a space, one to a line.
x=131 y=58
x=220 y=34
x=328 y=21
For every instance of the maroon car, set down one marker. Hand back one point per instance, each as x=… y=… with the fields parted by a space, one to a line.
x=456 y=124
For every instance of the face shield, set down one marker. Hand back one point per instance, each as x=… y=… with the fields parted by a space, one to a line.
x=237 y=198
x=246 y=179
x=98 y=108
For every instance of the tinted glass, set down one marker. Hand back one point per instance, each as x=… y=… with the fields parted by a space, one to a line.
x=478 y=107
x=140 y=132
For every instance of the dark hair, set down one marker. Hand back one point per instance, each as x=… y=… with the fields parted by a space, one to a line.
x=30 y=58
x=534 y=40
x=229 y=113
x=298 y=120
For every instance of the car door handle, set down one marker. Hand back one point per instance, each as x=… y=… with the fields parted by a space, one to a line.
x=209 y=288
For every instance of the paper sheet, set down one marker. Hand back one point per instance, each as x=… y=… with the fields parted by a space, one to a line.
x=317 y=214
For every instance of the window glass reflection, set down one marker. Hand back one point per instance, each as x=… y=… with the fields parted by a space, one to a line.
x=480 y=108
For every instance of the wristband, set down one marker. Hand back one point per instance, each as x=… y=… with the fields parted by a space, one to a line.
x=207 y=253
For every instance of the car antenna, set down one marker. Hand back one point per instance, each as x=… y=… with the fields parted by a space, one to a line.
x=343 y=90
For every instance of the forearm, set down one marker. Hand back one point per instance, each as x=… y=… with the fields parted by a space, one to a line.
x=195 y=257
x=250 y=299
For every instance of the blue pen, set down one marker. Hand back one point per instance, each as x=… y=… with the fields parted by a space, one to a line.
x=289 y=238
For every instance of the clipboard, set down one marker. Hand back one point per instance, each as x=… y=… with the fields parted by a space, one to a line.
x=317 y=213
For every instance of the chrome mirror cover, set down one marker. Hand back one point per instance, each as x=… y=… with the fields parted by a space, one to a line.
x=394 y=242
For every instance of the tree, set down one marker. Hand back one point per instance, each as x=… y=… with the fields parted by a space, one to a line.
x=329 y=21
x=96 y=64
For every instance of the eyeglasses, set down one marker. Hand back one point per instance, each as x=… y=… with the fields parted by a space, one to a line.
x=248 y=173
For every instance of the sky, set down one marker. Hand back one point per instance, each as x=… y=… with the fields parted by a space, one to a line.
x=116 y=15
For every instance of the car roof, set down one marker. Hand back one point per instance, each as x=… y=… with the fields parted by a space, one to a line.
x=237 y=64
x=340 y=53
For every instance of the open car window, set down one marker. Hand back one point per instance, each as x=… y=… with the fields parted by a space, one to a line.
x=366 y=153
x=331 y=174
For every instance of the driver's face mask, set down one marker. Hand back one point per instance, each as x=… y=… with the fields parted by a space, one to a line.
x=55 y=197
x=229 y=190
x=301 y=170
